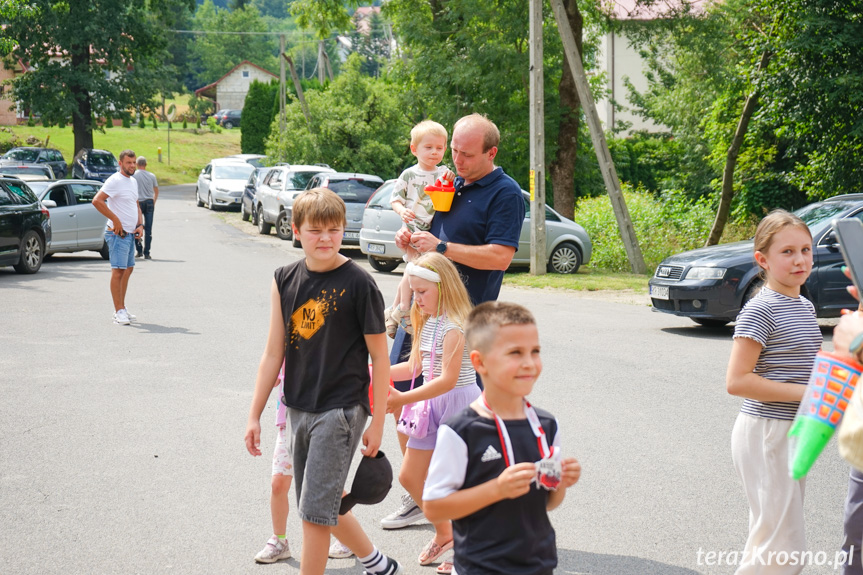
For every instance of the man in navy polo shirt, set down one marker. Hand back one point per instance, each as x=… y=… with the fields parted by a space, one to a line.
x=479 y=234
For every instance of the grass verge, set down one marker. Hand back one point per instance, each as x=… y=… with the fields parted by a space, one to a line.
x=586 y=279
x=190 y=149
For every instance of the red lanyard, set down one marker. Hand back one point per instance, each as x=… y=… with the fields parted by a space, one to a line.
x=535 y=425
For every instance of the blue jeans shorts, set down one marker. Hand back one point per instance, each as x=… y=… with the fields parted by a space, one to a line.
x=324 y=445
x=121 y=250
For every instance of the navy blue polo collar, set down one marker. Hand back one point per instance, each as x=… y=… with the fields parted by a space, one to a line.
x=483 y=181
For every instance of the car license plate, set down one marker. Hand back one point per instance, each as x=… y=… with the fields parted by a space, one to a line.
x=352 y=235
x=659 y=292
x=376 y=249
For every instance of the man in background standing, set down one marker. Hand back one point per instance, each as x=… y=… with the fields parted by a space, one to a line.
x=148 y=193
x=118 y=201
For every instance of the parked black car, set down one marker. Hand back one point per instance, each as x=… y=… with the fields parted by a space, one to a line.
x=710 y=285
x=92 y=164
x=49 y=156
x=230 y=119
x=25 y=227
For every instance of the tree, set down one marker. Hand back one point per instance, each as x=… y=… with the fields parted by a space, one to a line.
x=91 y=58
x=357 y=125
x=765 y=94
x=216 y=53
x=10 y=9
x=373 y=45
x=258 y=115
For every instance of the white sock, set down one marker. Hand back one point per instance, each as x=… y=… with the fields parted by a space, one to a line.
x=376 y=562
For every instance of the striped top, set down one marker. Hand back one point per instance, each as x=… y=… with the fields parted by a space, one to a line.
x=790 y=337
x=442 y=325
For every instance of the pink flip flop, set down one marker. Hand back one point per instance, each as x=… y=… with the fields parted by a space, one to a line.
x=433 y=552
x=444 y=568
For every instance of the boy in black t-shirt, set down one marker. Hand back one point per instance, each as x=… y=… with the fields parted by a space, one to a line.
x=327 y=318
x=497 y=469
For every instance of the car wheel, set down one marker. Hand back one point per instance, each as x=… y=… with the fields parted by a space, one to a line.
x=228 y=125
x=565 y=259
x=383 y=265
x=706 y=322
x=106 y=255
x=244 y=215
x=297 y=243
x=198 y=201
x=263 y=227
x=210 y=203
x=283 y=226
x=255 y=215
x=32 y=253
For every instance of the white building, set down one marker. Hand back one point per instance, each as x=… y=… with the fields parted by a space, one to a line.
x=619 y=60
x=229 y=91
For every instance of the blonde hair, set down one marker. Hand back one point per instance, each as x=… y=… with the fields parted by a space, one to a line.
x=452 y=300
x=318 y=206
x=486 y=319
x=772 y=224
x=427 y=128
x=490 y=133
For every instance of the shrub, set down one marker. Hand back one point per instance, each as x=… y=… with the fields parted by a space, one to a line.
x=153 y=118
x=664 y=226
x=127 y=122
x=185 y=123
x=211 y=124
x=141 y=121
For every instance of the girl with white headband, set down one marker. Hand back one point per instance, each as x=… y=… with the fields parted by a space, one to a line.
x=440 y=308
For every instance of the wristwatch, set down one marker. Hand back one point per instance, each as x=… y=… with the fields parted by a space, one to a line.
x=441 y=248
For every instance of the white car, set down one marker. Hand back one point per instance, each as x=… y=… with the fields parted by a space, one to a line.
x=567 y=243
x=76 y=225
x=275 y=196
x=221 y=183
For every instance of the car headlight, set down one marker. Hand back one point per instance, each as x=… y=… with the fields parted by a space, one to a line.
x=223 y=190
x=705 y=273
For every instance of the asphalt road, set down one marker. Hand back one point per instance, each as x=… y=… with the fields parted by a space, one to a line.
x=121 y=448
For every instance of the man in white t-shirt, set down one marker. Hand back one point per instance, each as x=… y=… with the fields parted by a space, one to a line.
x=118 y=201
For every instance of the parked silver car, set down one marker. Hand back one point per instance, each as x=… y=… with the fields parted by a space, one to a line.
x=221 y=183
x=567 y=242
x=356 y=190
x=76 y=224
x=275 y=196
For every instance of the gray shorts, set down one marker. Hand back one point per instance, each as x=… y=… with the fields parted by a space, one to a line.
x=324 y=445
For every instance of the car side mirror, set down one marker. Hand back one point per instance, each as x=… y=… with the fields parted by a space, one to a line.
x=829 y=240
x=49 y=204
x=207 y=176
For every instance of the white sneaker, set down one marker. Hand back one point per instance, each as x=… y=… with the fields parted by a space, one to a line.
x=274 y=550
x=130 y=315
x=339 y=550
x=121 y=317
x=408 y=513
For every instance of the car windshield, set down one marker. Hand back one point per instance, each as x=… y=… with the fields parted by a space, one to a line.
x=22 y=155
x=815 y=214
x=298 y=180
x=233 y=172
x=101 y=160
x=32 y=170
x=354 y=191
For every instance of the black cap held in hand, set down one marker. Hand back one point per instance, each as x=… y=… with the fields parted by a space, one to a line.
x=371 y=484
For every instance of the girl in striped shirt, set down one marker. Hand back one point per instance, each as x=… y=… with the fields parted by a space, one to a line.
x=776 y=338
x=440 y=308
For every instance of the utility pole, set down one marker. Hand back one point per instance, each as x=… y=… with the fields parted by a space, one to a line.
x=603 y=155
x=537 y=143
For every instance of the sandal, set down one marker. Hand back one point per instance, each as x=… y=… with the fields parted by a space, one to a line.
x=444 y=568
x=403 y=319
x=433 y=552
x=392 y=325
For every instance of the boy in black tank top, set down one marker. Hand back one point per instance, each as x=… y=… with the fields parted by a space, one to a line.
x=497 y=467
